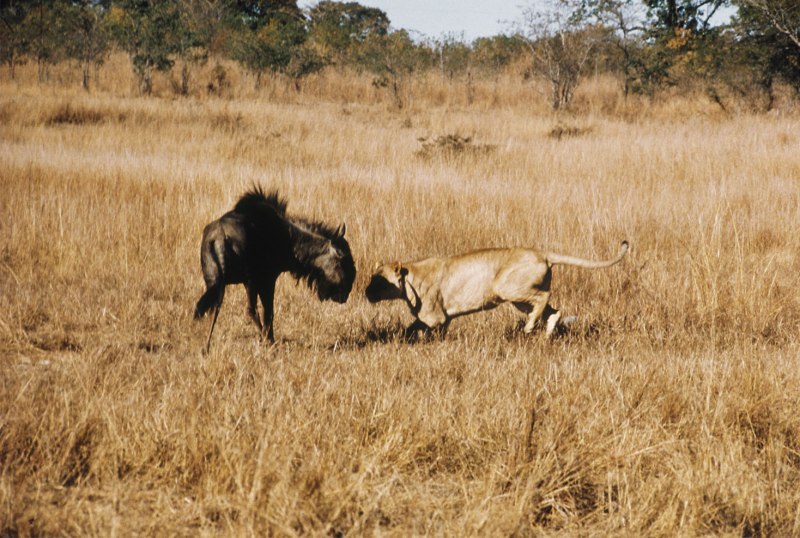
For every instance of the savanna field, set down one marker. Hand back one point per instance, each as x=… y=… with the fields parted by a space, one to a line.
x=671 y=407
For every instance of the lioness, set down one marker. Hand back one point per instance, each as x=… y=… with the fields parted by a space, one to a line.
x=440 y=289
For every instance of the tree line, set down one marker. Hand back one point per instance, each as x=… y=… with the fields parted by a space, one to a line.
x=649 y=45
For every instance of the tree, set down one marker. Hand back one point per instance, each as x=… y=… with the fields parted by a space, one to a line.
x=692 y=15
x=769 y=34
x=678 y=33
x=739 y=69
x=453 y=55
x=560 y=40
x=270 y=43
x=82 y=24
x=493 y=54
x=14 y=42
x=303 y=62
x=270 y=35
x=44 y=41
x=198 y=22
x=782 y=15
x=146 y=30
x=391 y=58
x=256 y=13
x=337 y=28
x=623 y=22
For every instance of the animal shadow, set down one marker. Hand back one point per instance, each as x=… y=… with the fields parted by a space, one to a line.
x=570 y=329
x=374 y=334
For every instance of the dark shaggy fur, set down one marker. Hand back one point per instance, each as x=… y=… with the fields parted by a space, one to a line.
x=255 y=242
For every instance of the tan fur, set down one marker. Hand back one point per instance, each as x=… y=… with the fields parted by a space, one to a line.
x=440 y=289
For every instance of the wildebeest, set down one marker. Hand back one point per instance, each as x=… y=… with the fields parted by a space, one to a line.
x=255 y=242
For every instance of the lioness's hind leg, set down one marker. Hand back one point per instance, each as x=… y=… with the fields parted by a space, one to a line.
x=537 y=305
x=551 y=317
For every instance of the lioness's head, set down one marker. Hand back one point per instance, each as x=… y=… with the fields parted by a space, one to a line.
x=386 y=283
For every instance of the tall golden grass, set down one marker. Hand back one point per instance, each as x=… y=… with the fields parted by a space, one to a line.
x=671 y=408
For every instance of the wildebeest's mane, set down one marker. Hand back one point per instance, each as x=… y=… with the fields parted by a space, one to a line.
x=319 y=228
x=256 y=201
x=310 y=236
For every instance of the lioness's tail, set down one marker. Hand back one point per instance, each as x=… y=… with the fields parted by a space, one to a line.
x=560 y=259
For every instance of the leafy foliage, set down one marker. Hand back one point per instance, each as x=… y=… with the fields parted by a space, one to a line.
x=560 y=40
x=13 y=39
x=390 y=57
x=337 y=29
x=649 y=45
x=769 y=31
x=148 y=32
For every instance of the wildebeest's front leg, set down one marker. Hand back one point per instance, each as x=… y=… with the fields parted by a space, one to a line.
x=252 y=294
x=266 y=291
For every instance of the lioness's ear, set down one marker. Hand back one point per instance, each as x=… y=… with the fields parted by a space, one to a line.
x=400 y=270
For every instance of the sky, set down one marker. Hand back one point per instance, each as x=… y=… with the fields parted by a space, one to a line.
x=467 y=19
x=434 y=18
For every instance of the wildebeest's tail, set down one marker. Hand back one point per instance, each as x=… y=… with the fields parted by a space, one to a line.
x=212 y=261
x=561 y=259
x=209 y=300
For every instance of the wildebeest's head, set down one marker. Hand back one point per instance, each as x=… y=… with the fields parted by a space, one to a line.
x=336 y=270
x=386 y=283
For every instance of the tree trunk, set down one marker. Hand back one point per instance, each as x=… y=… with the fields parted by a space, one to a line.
x=470 y=88
x=11 y=61
x=85 y=81
x=185 y=78
x=146 y=82
x=398 y=100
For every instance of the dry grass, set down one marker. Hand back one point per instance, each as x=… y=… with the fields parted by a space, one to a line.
x=671 y=409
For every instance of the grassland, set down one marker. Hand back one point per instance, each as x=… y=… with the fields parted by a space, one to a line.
x=671 y=408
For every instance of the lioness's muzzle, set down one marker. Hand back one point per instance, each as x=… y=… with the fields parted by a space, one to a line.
x=375 y=287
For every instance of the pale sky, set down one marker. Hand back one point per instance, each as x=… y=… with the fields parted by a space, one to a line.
x=475 y=18
x=472 y=18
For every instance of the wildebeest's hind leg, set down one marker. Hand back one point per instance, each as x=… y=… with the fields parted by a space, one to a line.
x=266 y=291
x=252 y=295
x=217 y=308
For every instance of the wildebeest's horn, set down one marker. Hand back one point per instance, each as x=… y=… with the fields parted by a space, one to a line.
x=340 y=231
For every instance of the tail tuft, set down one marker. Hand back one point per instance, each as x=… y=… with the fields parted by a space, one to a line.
x=206 y=302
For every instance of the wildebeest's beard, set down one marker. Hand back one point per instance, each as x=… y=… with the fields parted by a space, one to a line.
x=331 y=269
x=347 y=265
